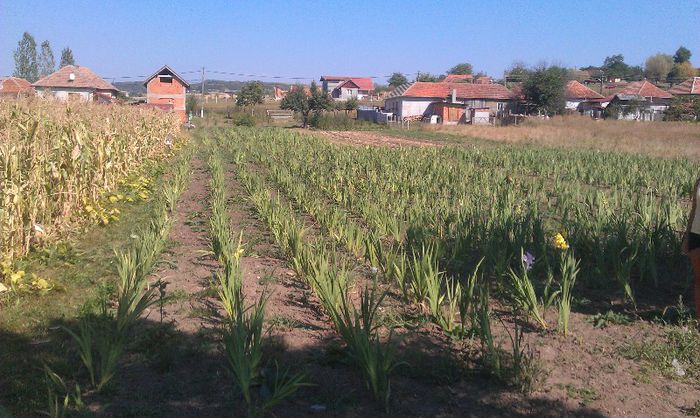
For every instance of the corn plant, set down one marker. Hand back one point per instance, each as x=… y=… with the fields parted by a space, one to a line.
x=54 y=157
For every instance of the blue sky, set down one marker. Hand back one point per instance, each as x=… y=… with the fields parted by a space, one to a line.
x=374 y=38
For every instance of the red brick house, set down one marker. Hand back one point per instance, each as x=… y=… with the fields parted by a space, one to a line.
x=166 y=90
x=15 y=87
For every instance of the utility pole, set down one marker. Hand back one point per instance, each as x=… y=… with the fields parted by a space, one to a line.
x=201 y=109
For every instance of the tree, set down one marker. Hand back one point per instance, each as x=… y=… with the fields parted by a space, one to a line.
x=397 y=79
x=463 y=68
x=190 y=103
x=47 y=63
x=614 y=66
x=683 y=109
x=682 y=71
x=66 y=57
x=426 y=77
x=518 y=69
x=350 y=105
x=251 y=94
x=25 y=59
x=545 y=89
x=682 y=55
x=300 y=101
x=658 y=66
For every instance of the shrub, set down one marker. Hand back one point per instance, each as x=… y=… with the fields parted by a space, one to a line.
x=243 y=119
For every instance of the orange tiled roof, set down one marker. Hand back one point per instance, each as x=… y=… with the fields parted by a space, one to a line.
x=645 y=89
x=689 y=86
x=14 y=85
x=576 y=90
x=464 y=91
x=457 y=77
x=84 y=78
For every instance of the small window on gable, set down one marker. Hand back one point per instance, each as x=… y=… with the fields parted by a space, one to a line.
x=165 y=78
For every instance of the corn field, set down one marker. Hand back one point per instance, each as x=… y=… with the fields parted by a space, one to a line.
x=55 y=159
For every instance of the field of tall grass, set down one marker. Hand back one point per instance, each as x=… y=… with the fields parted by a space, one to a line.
x=667 y=139
x=57 y=160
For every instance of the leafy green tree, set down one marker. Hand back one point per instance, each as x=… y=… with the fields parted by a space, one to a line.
x=682 y=55
x=350 y=105
x=683 y=109
x=519 y=70
x=25 y=59
x=463 y=68
x=658 y=66
x=614 y=66
x=397 y=79
x=47 y=63
x=66 y=57
x=298 y=101
x=545 y=89
x=250 y=94
x=682 y=71
x=426 y=77
x=191 y=103
x=304 y=103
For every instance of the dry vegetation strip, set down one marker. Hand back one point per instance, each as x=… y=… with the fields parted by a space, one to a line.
x=667 y=139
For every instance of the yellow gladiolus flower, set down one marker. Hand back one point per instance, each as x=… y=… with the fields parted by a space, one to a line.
x=16 y=276
x=560 y=242
x=41 y=284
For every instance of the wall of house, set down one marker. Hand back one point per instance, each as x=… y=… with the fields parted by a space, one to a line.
x=65 y=94
x=329 y=86
x=158 y=92
x=572 y=104
x=344 y=93
x=409 y=106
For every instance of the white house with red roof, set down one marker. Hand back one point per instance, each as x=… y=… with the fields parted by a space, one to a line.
x=640 y=100
x=576 y=94
x=420 y=99
x=75 y=83
x=347 y=87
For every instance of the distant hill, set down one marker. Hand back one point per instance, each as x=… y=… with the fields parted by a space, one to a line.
x=136 y=88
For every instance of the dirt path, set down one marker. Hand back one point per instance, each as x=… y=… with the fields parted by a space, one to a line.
x=361 y=138
x=175 y=368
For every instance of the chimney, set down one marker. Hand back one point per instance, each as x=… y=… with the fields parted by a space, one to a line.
x=454 y=95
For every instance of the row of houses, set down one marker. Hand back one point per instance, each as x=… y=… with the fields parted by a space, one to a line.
x=165 y=89
x=451 y=102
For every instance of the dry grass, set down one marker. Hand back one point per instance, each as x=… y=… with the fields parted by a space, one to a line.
x=661 y=139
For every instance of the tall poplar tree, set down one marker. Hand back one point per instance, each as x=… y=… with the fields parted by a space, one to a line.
x=25 y=59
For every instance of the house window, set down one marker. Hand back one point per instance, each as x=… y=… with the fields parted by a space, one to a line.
x=166 y=79
x=501 y=106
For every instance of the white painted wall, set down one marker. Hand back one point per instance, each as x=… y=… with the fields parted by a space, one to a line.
x=408 y=106
x=572 y=104
x=64 y=94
